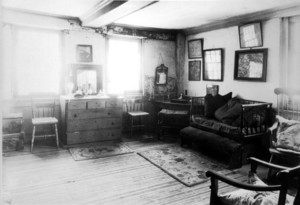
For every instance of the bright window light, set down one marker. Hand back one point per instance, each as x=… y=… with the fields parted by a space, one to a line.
x=124 y=66
x=38 y=62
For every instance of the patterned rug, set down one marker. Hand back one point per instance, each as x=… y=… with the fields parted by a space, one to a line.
x=182 y=164
x=98 y=151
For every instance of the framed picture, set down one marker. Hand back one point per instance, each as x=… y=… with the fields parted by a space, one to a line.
x=251 y=65
x=84 y=53
x=212 y=89
x=213 y=65
x=194 y=70
x=195 y=48
x=251 y=35
x=161 y=75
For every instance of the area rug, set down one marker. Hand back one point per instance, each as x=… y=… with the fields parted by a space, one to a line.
x=182 y=164
x=98 y=151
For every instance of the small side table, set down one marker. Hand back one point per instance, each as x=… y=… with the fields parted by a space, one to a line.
x=13 y=134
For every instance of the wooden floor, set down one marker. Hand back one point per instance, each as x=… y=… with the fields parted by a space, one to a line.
x=50 y=176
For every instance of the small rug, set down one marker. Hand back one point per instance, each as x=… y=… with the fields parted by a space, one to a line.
x=98 y=151
x=182 y=164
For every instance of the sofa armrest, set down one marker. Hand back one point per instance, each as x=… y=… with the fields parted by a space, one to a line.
x=254 y=118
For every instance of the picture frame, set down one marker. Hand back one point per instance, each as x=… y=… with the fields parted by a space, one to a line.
x=212 y=89
x=251 y=65
x=250 y=35
x=195 y=48
x=161 y=75
x=194 y=70
x=84 y=53
x=213 y=64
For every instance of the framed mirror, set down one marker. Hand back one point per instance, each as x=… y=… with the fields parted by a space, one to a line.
x=87 y=78
x=161 y=75
x=213 y=65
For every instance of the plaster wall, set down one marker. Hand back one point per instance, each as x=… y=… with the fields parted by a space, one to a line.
x=228 y=39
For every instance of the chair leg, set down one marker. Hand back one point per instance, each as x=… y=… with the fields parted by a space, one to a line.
x=131 y=125
x=32 y=140
x=56 y=135
x=270 y=170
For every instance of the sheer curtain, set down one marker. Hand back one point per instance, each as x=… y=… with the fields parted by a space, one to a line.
x=290 y=52
x=123 y=65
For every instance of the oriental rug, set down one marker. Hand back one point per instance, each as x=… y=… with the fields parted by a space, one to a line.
x=98 y=151
x=182 y=164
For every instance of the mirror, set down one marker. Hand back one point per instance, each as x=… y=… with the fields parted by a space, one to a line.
x=87 y=78
x=161 y=75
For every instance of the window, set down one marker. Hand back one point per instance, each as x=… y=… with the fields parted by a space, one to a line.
x=123 y=65
x=38 y=63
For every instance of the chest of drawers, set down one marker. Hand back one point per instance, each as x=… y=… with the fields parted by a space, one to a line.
x=90 y=119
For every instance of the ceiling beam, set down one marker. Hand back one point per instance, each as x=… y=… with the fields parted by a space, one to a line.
x=238 y=20
x=109 y=11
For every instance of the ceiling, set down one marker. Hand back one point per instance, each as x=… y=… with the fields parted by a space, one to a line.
x=163 y=14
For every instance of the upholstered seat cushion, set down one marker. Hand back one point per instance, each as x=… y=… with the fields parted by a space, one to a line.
x=288 y=135
x=242 y=196
x=215 y=126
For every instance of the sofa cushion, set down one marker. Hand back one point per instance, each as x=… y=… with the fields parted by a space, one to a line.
x=215 y=126
x=229 y=111
x=288 y=134
x=212 y=103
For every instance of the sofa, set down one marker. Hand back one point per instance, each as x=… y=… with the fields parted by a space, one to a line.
x=228 y=128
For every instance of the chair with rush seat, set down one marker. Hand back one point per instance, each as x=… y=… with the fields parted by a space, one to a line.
x=43 y=120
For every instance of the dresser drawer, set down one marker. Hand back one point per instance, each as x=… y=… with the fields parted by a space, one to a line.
x=91 y=114
x=114 y=103
x=75 y=105
x=96 y=104
x=93 y=136
x=93 y=124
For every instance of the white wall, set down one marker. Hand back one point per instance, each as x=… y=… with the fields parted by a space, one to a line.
x=152 y=49
x=228 y=39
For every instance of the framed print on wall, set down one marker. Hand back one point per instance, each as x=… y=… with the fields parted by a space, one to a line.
x=161 y=75
x=84 y=53
x=251 y=65
x=251 y=35
x=194 y=70
x=213 y=65
x=195 y=48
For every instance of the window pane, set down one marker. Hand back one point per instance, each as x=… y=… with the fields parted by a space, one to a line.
x=38 y=62
x=124 y=68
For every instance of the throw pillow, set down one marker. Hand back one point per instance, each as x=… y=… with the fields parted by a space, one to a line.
x=212 y=103
x=288 y=134
x=229 y=112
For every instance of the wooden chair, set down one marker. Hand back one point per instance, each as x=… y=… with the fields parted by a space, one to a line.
x=288 y=105
x=135 y=110
x=43 y=118
x=285 y=175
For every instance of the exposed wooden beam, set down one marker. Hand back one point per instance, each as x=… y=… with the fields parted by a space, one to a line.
x=237 y=20
x=110 y=11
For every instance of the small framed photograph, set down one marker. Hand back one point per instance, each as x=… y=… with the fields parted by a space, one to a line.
x=251 y=65
x=195 y=48
x=84 y=53
x=194 y=70
x=213 y=65
x=251 y=35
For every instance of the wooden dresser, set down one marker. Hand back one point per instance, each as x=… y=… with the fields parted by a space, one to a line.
x=90 y=119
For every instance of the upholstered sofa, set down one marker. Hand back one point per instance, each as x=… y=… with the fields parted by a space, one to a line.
x=227 y=128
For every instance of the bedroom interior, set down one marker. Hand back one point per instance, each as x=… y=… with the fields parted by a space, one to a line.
x=150 y=102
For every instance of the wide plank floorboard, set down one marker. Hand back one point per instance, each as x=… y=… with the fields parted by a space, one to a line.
x=53 y=177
